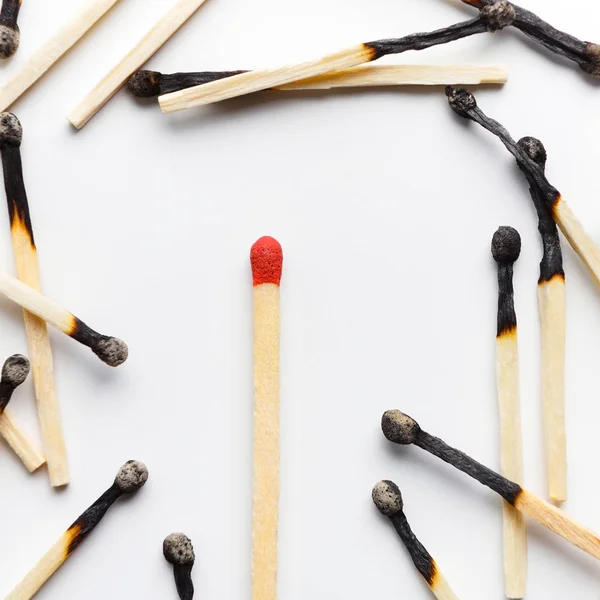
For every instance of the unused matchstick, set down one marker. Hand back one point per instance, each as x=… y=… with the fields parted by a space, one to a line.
x=145 y=49
x=266 y=258
x=10 y=34
x=463 y=103
x=58 y=45
x=552 y=303
x=388 y=500
x=402 y=429
x=25 y=251
x=178 y=550
x=130 y=478
x=149 y=84
x=506 y=248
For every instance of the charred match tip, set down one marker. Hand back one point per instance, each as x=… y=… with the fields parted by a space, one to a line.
x=461 y=101
x=131 y=477
x=11 y=131
x=15 y=370
x=506 y=245
x=178 y=549
x=111 y=350
x=399 y=428
x=144 y=84
x=593 y=67
x=498 y=15
x=266 y=258
x=9 y=38
x=387 y=498
x=534 y=149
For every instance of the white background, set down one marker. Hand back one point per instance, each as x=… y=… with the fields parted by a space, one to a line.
x=385 y=204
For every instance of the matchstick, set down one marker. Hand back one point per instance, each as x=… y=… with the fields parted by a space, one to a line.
x=25 y=251
x=58 y=45
x=463 y=103
x=179 y=551
x=149 y=84
x=401 y=429
x=552 y=303
x=109 y=350
x=10 y=34
x=130 y=478
x=266 y=258
x=145 y=49
x=506 y=248
x=388 y=500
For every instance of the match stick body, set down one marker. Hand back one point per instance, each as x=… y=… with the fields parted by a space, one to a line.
x=266 y=258
x=28 y=272
x=9 y=30
x=146 y=48
x=46 y=56
x=21 y=444
x=131 y=477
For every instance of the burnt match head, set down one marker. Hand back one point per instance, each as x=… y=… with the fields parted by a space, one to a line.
x=399 y=428
x=9 y=38
x=387 y=498
x=498 y=15
x=15 y=370
x=178 y=549
x=534 y=149
x=131 y=477
x=266 y=258
x=461 y=101
x=11 y=132
x=593 y=66
x=506 y=245
x=111 y=350
x=144 y=84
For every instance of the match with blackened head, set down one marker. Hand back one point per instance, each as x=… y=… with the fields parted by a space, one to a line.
x=178 y=549
x=11 y=131
x=506 y=245
x=461 y=101
x=15 y=370
x=498 y=15
x=593 y=66
x=131 y=476
x=399 y=428
x=144 y=84
x=387 y=498
x=534 y=149
x=266 y=258
x=111 y=350
x=10 y=37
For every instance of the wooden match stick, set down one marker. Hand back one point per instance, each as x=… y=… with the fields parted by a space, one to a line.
x=58 y=45
x=10 y=34
x=402 y=429
x=266 y=258
x=388 y=500
x=149 y=84
x=552 y=303
x=506 y=248
x=179 y=551
x=11 y=134
x=463 y=103
x=146 y=48
x=130 y=478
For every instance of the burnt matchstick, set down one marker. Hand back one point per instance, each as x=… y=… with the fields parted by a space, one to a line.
x=463 y=103
x=506 y=248
x=585 y=54
x=401 y=429
x=552 y=304
x=25 y=251
x=388 y=500
x=130 y=478
x=10 y=34
x=178 y=550
x=14 y=372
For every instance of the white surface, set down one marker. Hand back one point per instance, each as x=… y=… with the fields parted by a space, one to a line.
x=385 y=204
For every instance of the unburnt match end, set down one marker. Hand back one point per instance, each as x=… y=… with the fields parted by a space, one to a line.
x=131 y=477
x=179 y=551
x=388 y=499
x=10 y=34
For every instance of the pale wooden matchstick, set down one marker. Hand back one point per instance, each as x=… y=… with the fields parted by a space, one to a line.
x=266 y=258
x=388 y=500
x=25 y=251
x=10 y=34
x=48 y=54
x=146 y=48
x=179 y=551
x=399 y=428
x=506 y=248
x=130 y=478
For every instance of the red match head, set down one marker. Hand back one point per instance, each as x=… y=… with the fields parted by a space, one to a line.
x=266 y=258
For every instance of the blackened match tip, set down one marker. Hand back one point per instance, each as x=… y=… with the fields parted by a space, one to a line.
x=111 y=350
x=10 y=37
x=131 y=476
x=11 y=131
x=498 y=15
x=144 y=84
x=534 y=149
x=15 y=370
x=399 y=428
x=506 y=245
x=593 y=66
x=178 y=549
x=461 y=101
x=387 y=498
